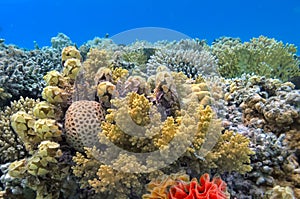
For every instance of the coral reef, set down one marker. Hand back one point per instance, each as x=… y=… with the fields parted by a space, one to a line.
x=141 y=120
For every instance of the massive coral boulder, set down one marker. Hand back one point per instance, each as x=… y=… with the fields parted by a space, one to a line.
x=82 y=123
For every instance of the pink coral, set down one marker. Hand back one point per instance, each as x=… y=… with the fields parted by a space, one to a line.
x=216 y=189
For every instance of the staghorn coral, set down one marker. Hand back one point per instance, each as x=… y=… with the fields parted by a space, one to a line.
x=216 y=189
x=261 y=56
x=82 y=123
x=11 y=145
x=43 y=167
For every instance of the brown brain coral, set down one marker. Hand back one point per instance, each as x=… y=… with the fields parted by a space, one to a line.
x=82 y=123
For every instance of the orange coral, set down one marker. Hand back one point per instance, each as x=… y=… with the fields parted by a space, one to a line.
x=216 y=189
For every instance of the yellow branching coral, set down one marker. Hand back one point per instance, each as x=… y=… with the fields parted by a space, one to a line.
x=231 y=153
x=107 y=180
x=139 y=108
x=85 y=168
x=119 y=74
x=166 y=134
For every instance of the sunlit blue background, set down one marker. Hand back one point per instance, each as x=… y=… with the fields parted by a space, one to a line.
x=25 y=21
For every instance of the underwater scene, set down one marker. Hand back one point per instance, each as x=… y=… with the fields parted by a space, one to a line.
x=152 y=111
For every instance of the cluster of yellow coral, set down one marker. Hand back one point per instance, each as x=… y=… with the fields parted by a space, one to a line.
x=42 y=167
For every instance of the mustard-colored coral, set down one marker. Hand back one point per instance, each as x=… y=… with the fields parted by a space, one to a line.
x=33 y=131
x=43 y=110
x=139 y=108
x=54 y=78
x=231 y=153
x=71 y=68
x=43 y=167
x=70 y=52
x=55 y=95
x=23 y=125
x=47 y=129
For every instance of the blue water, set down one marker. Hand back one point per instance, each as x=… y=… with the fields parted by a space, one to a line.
x=25 y=21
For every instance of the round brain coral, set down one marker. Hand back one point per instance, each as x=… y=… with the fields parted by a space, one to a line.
x=82 y=123
x=206 y=189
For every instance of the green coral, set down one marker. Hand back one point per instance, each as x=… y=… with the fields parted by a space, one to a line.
x=261 y=56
